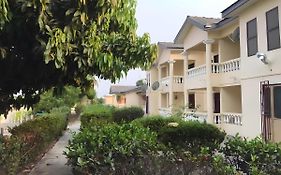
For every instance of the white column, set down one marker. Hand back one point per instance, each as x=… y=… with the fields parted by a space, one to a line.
x=171 y=82
x=210 y=99
x=159 y=93
x=185 y=68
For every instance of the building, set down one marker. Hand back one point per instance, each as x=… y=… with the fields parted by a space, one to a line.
x=126 y=96
x=231 y=68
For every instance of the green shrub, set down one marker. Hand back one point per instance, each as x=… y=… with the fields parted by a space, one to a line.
x=102 y=149
x=253 y=156
x=180 y=134
x=127 y=114
x=31 y=138
x=48 y=100
x=96 y=113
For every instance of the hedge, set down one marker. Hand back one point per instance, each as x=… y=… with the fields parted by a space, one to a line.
x=30 y=139
x=180 y=134
x=127 y=114
x=94 y=113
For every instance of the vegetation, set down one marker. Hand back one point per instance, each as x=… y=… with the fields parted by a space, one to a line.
x=248 y=156
x=30 y=139
x=127 y=114
x=45 y=44
x=52 y=99
x=94 y=113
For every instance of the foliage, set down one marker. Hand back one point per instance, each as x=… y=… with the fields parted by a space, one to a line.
x=56 y=43
x=94 y=113
x=99 y=148
x=49 y=100
x=180 y=134
x=30 y=139
x=127 y=114
x=253 y=156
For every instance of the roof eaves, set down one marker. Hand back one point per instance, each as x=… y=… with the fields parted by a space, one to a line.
x=233 y=7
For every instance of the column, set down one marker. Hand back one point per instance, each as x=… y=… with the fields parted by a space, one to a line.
x=171 y=82
x=210 y=99
x=185 y=68
x=159 y=93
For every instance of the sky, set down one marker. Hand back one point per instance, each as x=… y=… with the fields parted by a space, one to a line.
x=162 y=19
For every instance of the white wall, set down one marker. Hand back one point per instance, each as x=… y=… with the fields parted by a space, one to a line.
x=231 y=99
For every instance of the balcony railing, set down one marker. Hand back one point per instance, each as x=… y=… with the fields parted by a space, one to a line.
x=199 y=116
x=228 y=66
x=200 y=70
x=228 y=118
x=165 y=111
x=178 y=79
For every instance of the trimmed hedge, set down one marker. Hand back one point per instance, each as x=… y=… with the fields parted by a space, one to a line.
x=96 y=113
x=30 y=139
x=127 y=114
x=102 y=149
x=179 y=134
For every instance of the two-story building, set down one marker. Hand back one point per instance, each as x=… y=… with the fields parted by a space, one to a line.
x=231 y=68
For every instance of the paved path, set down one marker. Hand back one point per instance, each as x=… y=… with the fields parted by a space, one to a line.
x=53 y=162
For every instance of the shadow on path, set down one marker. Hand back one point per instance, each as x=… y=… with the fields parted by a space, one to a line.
x=54 y=162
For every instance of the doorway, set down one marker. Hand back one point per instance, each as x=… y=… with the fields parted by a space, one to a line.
x=217 y=104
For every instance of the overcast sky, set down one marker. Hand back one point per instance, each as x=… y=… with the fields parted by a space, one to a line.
x=162 y=19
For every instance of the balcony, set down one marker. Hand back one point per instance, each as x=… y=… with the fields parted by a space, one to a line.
x=197 y=116
x=177 y=83
x=226 y=73
x=165 y=111
x=231 y=123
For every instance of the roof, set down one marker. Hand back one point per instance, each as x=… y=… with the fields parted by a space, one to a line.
x=170 y=45
x=117 y=89
x=203 y=23
x=236 y=7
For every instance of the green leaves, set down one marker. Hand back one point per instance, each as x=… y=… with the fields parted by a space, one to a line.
x=4 y=13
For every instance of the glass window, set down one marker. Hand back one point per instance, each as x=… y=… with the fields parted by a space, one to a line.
x=272 y=28
x=252 y=37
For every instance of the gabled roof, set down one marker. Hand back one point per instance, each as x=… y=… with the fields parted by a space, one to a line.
x=118 y=89
x=170 y=45
x=237 y=7
x=202 y=23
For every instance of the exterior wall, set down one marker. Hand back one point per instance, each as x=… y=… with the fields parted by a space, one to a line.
x=153 y=106
x=258 y=69
x=231 y=99
x=228 y=50
x=198 y=56
x=195 y=36
x=178 y=99
x=164 y=56
x=110 y=100
x=164 y=100
x=178 y=68
x=201 y=101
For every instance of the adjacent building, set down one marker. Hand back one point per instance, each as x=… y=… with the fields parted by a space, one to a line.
x=225 y=71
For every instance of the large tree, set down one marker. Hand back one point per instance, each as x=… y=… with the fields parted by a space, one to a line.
x=47 y=43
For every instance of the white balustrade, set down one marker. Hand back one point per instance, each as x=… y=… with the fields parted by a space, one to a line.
x=165 y=111
x=165 y=81
x=200 y=70
x=199 y=116
x=228 y=66
x=178 y=79
x=228 y=118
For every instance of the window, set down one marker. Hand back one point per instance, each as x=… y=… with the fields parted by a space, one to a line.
x=192 y=65
x=277 y=101
x=216 y=59
x=252 y=37
x=191 y=101
x=272 y=29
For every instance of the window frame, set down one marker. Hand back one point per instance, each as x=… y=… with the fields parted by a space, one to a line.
x=255 y=37
x=273 y=29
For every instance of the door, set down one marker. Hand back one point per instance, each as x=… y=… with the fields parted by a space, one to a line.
x=217 y=104
x=146 y=105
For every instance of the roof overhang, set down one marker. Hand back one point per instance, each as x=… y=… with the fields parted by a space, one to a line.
x=237 y=7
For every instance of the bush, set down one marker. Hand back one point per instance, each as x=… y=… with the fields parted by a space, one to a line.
x=127 y=114
x=31 y=138
x=96 y=113
x=48 y=100
x=103 y=149
x=251 y=157
x=180 y=134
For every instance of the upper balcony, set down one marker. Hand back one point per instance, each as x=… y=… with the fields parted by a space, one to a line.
x=223 y=60
x=177 y=83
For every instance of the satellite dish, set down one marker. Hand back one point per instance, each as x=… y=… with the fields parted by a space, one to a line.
x=155 y=85
x=235 y=35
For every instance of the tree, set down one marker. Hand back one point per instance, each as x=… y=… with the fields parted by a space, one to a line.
x=47 y=43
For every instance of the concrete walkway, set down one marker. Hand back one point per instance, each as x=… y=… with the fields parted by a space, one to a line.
x=53 y=162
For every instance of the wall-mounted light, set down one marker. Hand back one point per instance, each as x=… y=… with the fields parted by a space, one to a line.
x=262 y=57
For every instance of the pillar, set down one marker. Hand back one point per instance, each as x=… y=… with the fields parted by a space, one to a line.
x=159 y=93
x=210 y=99
x=171 y=82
